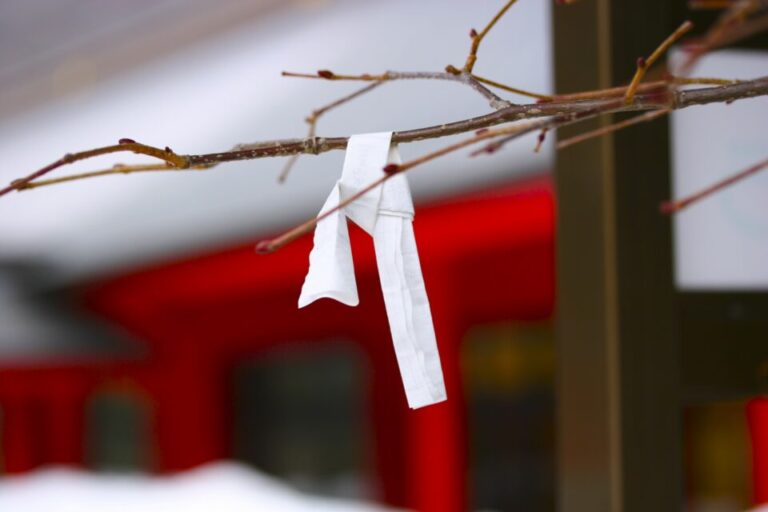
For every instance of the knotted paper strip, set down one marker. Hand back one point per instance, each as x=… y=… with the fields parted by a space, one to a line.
x=386 y=213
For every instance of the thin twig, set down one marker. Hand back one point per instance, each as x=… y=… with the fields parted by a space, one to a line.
x=727 y=28
x=553 y=122
x=675 y=206
x=325 y=74
x=494 y=100
x=477 y=37
x=709 y=4
x=514 y=90
x=451 y=74
x=644 y=64
x=740 y=32
x=642 y=88
x=124 y=145
x=682 y=80
x=291 y=162
x=312 y=121
x=604 y=130
x=114 y=170
x=117 y=169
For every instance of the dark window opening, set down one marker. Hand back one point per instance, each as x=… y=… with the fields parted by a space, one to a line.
x=508 y=373
x=118 y=432
x=300 y=414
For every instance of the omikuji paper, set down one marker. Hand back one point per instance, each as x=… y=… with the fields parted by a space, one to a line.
x=386 y=213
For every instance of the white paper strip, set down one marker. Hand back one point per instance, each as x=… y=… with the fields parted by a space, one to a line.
x=386 y=213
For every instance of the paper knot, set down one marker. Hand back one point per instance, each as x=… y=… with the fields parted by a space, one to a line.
x=386 y=213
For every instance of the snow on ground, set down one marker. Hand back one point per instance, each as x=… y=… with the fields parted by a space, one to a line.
x=219 y=487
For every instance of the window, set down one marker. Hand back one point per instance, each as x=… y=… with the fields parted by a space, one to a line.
x=300 y=414
x=117 y=432
x=508 y=374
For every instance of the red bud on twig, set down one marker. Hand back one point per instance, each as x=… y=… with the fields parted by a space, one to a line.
x=264 y=247
x=391 y=169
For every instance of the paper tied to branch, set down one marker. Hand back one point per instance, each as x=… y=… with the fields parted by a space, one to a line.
x=386 y=213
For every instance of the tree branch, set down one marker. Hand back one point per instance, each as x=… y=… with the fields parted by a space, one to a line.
x=451 y=74
x=654 y=98
x=658 y=97
x=675 y=206
x=732 y=25
x=644 y=64
x=604 y=130
x=129 y=145
x=272 y=245
x=477 y=38
x=514 y=90
x=507 y=134
x=313 y=118
x=657 y=85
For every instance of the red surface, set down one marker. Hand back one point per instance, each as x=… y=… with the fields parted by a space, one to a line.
x=487 y=257
x=757 y=416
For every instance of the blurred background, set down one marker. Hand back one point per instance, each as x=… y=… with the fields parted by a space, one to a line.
x=149 y=359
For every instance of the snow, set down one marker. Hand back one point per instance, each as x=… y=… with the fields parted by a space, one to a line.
x=219 y=487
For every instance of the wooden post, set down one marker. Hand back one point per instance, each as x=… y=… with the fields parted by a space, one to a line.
x=619 y=374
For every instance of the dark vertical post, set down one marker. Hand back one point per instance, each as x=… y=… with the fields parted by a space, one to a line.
x=619 y=407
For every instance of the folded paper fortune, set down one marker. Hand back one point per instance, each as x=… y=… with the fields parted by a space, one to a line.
x=385 y=213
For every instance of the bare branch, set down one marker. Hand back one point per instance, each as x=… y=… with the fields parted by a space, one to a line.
x=729 y=28
x=495 y=101
x=503 y=135
x=709 y=4
x=650 y=100
x=124 y=145
x=313 y=118
x=653 y=100
x=268 y=246
x=658 y=85
x=499 y=137
x=451 y=74
x=515 y=90
x=657 y=98
x=644 y=64
x=477 y=37
x=642 y=118
x=325 y=74
x=740 y=31
x=114 y=170
x=676 y=206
